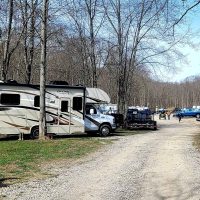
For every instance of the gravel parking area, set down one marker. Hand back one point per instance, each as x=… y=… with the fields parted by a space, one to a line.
x=157 y=165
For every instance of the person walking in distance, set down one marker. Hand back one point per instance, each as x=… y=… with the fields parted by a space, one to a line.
x=179 y=117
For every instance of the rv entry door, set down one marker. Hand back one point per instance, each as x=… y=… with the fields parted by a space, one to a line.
x=64 y=116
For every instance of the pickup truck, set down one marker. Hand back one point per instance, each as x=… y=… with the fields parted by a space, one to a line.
x=190 y=112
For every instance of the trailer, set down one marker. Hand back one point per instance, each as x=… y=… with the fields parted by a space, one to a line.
x=20 y=108
x=137 y=118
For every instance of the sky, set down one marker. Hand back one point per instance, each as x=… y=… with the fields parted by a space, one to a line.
x=192 y=55
x=190 y=69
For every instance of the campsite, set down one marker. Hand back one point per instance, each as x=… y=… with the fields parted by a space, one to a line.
x=99 y=100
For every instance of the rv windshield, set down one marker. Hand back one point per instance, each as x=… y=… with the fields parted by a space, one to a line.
x=101 y=110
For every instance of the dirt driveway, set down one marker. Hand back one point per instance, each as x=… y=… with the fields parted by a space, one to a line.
x=161 y=165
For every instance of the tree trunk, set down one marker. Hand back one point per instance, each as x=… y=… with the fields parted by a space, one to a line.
x=6 y=61
x=42 y=122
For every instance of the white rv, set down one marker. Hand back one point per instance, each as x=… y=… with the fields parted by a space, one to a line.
x=95 y=120
x=19 y=109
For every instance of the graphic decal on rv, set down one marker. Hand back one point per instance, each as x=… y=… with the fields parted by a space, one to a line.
x=93 y=121
x=18 y=91
x=7 y=107
x=4 y=109
x=17 y=126
x=56 y=120
x=33 y=120
x=25 y=107
x=62 y=120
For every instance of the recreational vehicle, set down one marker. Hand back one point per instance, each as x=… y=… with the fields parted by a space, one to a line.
x=69 y=109
x=20 y=105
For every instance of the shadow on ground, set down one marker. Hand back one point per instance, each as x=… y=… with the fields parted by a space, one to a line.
x=120 y=132
x=5 y=182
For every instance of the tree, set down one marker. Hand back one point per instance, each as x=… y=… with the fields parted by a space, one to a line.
x=7 y=53
x=143 y=39
x=42 y=121
x=29 y=16
x=86 y=19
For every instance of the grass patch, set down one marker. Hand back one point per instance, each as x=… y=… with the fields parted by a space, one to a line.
x=20 y=159
x=196 y=141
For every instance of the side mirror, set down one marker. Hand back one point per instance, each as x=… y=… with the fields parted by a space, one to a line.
x=91 y=111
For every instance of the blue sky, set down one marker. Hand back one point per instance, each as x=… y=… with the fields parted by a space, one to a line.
x=192 y=67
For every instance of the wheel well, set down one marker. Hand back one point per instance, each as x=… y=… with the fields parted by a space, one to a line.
x=34 y=127
x=106 y=123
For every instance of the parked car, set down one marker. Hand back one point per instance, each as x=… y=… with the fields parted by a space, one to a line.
x=189 y=112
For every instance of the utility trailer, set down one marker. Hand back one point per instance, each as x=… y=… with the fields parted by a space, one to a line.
x=137 y=118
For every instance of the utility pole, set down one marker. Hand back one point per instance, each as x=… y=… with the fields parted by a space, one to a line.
x=43 y=61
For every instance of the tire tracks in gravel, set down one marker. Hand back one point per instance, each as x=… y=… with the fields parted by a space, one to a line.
x=102 y=176
x=171 y=169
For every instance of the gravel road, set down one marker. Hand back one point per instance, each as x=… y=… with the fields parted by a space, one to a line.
x=158 y=165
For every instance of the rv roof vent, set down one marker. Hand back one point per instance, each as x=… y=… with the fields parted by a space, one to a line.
x=59 y=83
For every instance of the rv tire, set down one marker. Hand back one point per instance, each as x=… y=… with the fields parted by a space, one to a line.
x=34 y=132
x=104 y=130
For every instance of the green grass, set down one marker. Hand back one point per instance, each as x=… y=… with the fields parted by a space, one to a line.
x=196 y=141
x=19 y=159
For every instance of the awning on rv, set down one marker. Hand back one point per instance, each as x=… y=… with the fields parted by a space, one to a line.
x=96 y=95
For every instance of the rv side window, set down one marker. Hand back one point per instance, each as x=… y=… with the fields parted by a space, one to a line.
x=88 y=109
x=10 y=99
x=64 y=106
x=77 y=103
x=37 y=101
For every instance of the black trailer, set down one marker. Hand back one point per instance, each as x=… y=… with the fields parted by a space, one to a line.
x=119 y=119
x=136 y=118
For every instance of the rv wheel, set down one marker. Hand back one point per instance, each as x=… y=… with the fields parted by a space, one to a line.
x=104 y=130
x=35 y=133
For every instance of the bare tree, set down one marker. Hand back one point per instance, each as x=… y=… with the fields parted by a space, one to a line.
x=91 y=6
x=7 y=54
x=86 y=19
x=28 y=20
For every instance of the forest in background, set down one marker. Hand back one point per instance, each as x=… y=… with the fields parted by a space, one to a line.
x=111 y=44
